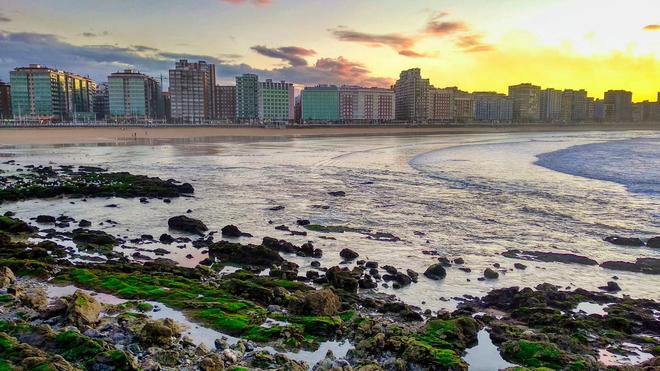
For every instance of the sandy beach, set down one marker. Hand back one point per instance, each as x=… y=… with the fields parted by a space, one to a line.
x=82 y=135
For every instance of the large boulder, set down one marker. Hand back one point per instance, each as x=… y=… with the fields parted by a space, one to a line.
x=159 y=333
x=343 y=278
x=232 y=231
x=7 y=277
x=237 y=253
x=88 y=237
x=436 y=272
x=45 y=219
x=319 y=303
x=83 y=309
x=13 y=225
x=187 y=224
x=654 y=242
x=491 y=274
x=35 y=298
x=348 y=254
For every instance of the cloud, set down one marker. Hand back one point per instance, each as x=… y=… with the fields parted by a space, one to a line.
x=98 y=61
x=92 y=34
x=396 y=41
x=4 y=18
x=293 y=55
x=473 y=43
x=462 y=34
x=652 y=27
x=255 y=2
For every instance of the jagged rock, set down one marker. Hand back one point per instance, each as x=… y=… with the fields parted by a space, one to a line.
x=611 y=287
x=348 y=254
x=12 y=225
x=83 y=309
x=320 y=303
x=653 y=242
x=166 y=239
x=35 y=298
x=187 y=224
x=390 y=269
x=89 y=237
x=212 y=362
x=7 y=277
x=84 y=223
x=641 y=265
x=45 y=219
x=436 y=272
x=245 y=254
x=343 y=279
x=412 y=274
x=159 y=333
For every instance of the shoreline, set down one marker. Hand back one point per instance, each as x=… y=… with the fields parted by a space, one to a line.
x=91 y=135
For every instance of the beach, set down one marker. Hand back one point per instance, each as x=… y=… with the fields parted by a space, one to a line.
x=82 y=135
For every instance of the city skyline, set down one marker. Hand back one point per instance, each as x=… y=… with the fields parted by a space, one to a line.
x=471 y=45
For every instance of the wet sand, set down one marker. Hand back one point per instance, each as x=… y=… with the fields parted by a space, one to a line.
x=81 y=135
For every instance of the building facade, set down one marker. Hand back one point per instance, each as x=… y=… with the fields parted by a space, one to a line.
x=247 y=97
x=192 y=91
x=412 y=96
x=618 y=105
x=134 y=96
x=275 y=101
x=526 y=102
x=366 y=104
x=551 y=105
x=5 y=101
x=440 y=105
x=102 y=102
x=320 y=103
x=225 y=102
x=46 y=94
x=492 y=107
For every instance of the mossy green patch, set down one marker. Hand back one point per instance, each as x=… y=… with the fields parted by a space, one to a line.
x=534 y=354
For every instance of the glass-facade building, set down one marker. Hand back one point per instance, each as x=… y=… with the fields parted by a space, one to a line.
x=492 y=107
x=43 y=93
x=320 y=103
x=133 y=96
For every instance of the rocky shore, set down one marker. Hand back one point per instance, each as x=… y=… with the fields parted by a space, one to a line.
x=89 y=305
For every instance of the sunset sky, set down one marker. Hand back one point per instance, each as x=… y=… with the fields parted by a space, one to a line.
x=473 y=44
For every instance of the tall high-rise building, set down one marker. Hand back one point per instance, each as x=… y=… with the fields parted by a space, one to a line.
x=551 y=104
x=618 y=105
x=134 y=96
x=166 y=103
x=225 y=102
x=526 y=102
x=579 y=105
x=275 y=101
x=247 y=97
x=192 y=91
x=320 y=103
x=43 y=93
x=492 y=107
x=412 y=96
x=366 y=104
x=5 y=101
x=102 y=102
x=463 y=106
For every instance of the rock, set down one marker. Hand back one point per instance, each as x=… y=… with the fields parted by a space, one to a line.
x=159 y=333
x=84 y=223
x=319 y=303
x=435 y=272
x=95 y=238
x=459 y=261
x=233 y=232
x=337 y=193
x=390 y=269
x=45 y=219
x=371 y=264
x=348 y=254
x=230 y=356
x=302 y=222
x=256 y=255
x=653 y=242
x=491 y=274
x=7 y=277
x=611 y=287
x=412 y=274
x=166 y=239
x=277 y=208
x=221 y=344
x=212 y=362
x=187 y=224
x=520 y=266
x=402 y=279
x=641 y=265
x=12 y=225
x=624 y=241
x=549 y=257
x=35 y=298
x=343 y=279
x=167 y=357
x=83 y=309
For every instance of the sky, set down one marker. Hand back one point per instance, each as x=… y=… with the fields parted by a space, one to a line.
x=477 y=45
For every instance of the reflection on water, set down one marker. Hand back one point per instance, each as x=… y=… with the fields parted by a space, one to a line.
x=485 y=356
x=472 y=196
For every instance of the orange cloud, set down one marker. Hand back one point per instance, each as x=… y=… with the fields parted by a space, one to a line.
x=652 y=27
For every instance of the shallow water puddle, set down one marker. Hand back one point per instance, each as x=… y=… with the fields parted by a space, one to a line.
x=485 y=356
x=59 y=291
x=591 y=308
x=636 y=356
